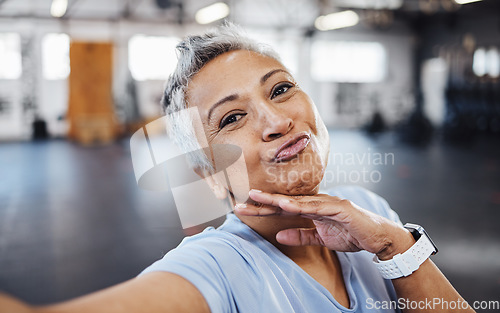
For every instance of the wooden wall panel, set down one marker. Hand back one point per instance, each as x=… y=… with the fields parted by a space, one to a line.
x=90 y=110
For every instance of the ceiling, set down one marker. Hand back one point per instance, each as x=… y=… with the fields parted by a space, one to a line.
x=258 y=13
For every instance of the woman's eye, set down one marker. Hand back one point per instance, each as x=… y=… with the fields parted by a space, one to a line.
x=230 y=119
x=280 y=90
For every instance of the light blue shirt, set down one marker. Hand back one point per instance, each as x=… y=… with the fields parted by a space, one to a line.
x=237 y=270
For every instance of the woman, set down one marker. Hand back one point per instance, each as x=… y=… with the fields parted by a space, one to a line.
x=287 y=248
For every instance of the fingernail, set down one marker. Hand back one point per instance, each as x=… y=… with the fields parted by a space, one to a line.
x=240 y=206
x=284 y=201
x=255 y=190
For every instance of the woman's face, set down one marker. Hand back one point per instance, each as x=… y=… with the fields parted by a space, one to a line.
x=252 y=101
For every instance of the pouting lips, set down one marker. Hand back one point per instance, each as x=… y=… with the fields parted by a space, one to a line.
x=292 y=148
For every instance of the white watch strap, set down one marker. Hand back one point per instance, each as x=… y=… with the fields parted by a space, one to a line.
x=406 y=263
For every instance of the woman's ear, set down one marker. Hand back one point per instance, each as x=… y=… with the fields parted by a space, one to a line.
x=217 y=187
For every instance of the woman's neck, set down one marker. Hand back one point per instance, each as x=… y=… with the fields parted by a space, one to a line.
x=318 y=261
x=269 y=226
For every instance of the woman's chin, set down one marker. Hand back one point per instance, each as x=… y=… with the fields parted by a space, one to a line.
x=294 y=183
x=300 y=189
x=307 y=183
x=291 y=188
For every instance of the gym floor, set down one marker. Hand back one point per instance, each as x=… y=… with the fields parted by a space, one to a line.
x=73 y=220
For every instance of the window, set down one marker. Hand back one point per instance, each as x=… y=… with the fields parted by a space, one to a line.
x=55 y=56
x=486 y=62
x=152 y=58
x=349 y=62
x=286 y=47
x=493 y=59
x=10 y=56
x=288 y=54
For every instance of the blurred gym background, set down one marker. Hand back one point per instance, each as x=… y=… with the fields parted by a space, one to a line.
x=409 y=89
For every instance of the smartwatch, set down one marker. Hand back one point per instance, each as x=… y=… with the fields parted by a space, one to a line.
x=404 y=264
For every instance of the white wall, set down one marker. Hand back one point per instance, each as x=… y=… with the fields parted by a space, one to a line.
x=394 y=93
x=52 y=95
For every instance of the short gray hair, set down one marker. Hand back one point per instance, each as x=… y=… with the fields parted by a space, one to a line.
x=194 y=52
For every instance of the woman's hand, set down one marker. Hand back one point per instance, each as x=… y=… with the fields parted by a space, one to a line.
x=343 y=226
x=340 y=224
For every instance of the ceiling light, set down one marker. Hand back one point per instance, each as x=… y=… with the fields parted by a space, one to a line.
x=365 y=4
x=466 y=1
x=212 y=13
x=58 y=8
x=337 y=20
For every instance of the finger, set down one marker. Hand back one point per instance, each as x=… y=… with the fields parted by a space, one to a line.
x=289 y=204
x=256 y=210
x=299 y=237
x=319 y=218
x=267 y=198
x=305 y=205
x=312 y=208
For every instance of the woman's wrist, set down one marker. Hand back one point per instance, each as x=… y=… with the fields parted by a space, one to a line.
x=399 y=240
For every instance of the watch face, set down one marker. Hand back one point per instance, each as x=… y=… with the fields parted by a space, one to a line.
x=418 y=231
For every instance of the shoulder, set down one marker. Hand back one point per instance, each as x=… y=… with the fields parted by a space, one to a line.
x=365 y=199
x=212 y=238
x=215 y=261
x=210 y=241
x=211 y=249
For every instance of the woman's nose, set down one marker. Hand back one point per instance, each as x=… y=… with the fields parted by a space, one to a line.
x=276 y=124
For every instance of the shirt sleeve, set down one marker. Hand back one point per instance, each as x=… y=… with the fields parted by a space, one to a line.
x=197 y=262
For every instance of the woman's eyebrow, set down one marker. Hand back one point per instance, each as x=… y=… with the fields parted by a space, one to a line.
x=271 y=73
x=220 y=102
